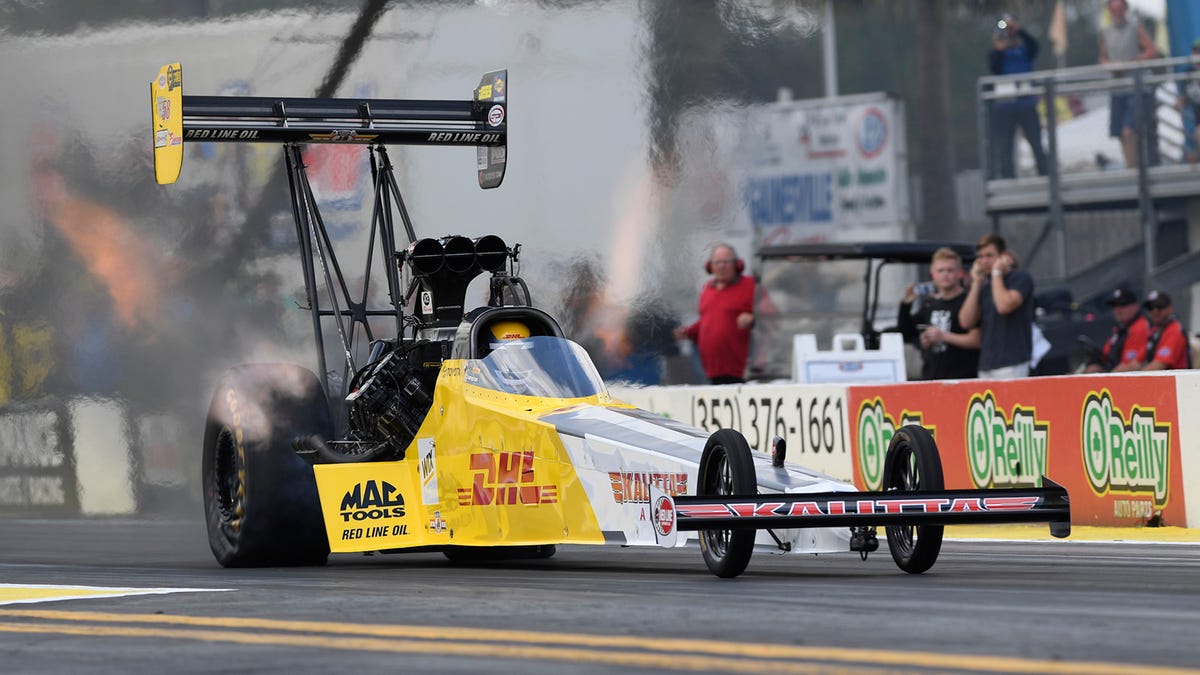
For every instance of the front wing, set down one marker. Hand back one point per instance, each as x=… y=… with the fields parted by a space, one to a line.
x=832 y=509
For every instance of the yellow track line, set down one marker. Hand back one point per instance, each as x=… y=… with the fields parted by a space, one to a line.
x=1078 y=533
x=499 y=638
x=663 y=661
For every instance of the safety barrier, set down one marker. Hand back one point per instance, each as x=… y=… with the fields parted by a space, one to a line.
x=80 y=456
x=1121 y=444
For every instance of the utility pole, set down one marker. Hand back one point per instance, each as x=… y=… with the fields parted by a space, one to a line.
x=938 y=198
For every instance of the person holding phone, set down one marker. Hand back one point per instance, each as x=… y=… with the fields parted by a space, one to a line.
x=929 y=319
x=1000 y=302
x=1014 y=50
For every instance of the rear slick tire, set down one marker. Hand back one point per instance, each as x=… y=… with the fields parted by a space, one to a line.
x=260 y=498
x=912 y=463
x=726 y=468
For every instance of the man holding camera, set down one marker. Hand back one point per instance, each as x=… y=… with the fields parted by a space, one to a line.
x=929 y=318
x=1013 y=51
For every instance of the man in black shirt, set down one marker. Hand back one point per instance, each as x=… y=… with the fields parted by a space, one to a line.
x=930 y=320
x=1002 y=307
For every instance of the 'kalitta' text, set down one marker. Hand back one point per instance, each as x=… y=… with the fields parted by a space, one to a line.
x=1127 y=457
x=633 y=487
x=875 y=431
x=1002 y=453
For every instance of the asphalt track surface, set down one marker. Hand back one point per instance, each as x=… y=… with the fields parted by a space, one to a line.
x=986 y=607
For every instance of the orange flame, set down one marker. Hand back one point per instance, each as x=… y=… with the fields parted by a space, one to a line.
x=131 y=269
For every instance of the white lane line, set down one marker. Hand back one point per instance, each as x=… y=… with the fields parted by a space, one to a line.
x=18 y=594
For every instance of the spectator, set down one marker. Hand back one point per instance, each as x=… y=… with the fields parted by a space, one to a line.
x=1013 y=51
x=722 y=333
x=1189 y=101
x=999 y=301
x=1127 y=346
x=1124 y=39
x=948 y=351
x=1167 y=348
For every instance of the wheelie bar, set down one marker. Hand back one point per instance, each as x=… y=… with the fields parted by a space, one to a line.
x=1049 y=503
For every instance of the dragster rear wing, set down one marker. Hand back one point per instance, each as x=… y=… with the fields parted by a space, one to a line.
x=481 y=121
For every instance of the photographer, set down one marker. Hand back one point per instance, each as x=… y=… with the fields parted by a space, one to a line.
x=929 y=318
x=1013 y=51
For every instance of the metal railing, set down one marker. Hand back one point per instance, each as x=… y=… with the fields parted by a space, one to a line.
x=1161 y=170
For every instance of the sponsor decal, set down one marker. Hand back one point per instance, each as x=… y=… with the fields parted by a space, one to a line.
x=164 y=108
x=428 y=464
x=437 y=523
x=664 y=516
x=1003 y=452
x=485 y=92
x=498 y=86
x=875 y=430
x=633 y=487
x=872 y=133
x=176 y=140
x=174 y=78
x=162 y=81
x=874 y=506
x=505 y=478
x=374 y=531
x=1125 y=455
x=221 y=134
x=476 y=137
x=372 y=500
x=496 y=116
x=162 y=138
x=426 y=302
x=343 y=136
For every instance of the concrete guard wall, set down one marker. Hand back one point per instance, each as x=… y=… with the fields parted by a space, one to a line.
x=1124 y=446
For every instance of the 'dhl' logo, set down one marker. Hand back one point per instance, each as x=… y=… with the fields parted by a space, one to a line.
x=372 y=500
x=505 y=478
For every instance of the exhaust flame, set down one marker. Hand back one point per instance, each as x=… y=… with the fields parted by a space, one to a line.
x=130 y=268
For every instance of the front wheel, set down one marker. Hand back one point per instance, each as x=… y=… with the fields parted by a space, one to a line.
x=726 y=468
x=912 y=463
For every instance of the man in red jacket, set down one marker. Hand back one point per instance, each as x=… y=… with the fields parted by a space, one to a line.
x=1168 y=346
x=1127 y=346
x=722 y=333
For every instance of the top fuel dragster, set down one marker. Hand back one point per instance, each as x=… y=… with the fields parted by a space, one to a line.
x=485 y=432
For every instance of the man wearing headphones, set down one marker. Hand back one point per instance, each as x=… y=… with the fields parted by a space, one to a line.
x=722 y=333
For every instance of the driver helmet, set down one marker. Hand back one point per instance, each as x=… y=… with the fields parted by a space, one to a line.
x=509 y=330
x=505 y=331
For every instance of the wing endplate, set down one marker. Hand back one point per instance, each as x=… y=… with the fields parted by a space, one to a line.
x=491 y=98
x=166 y=110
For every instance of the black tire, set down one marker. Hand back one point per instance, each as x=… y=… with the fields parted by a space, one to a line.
x=913 y=463
x=468 y=555
x=726 y=468
x=260 y=498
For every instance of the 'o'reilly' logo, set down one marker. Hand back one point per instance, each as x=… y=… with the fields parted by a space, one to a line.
x=1125 y=456
x=1001 y=453
x=875 y=431
x=372 y=500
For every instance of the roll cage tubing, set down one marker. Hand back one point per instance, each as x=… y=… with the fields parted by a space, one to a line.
x=295 y=122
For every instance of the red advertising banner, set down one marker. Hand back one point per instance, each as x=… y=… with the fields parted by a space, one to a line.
x=1112 y=441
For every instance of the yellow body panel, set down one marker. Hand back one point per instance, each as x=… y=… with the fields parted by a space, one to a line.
x=483 y=471
x=166 y=109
